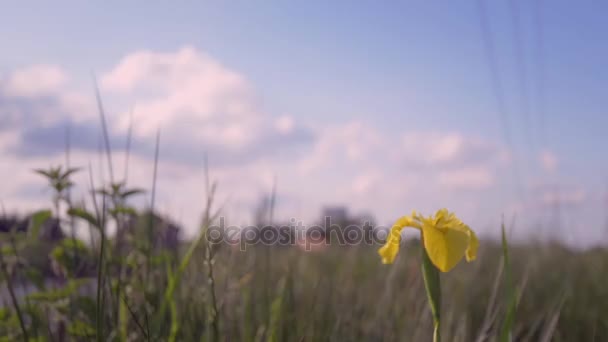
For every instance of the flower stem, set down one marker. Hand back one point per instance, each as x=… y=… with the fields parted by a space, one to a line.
x=436 y=332
x=433 y=291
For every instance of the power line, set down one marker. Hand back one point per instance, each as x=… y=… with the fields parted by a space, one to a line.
x=540 y=90
x=498 y=91
x=522 y=75
x=496 y=83
x=540 y=68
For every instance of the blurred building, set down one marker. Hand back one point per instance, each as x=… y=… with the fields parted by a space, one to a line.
x=337 y=214
x=343 y=228
x=50 y=230
x=165 y=234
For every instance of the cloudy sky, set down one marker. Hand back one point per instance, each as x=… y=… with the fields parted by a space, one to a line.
x=488 y=109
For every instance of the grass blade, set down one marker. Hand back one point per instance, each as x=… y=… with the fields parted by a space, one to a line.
x=511 y=293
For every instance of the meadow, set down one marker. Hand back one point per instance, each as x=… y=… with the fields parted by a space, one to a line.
x=133 y=289
x=143 y=284
x=279 y=112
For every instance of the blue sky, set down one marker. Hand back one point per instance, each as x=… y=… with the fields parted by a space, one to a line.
x=404 y=91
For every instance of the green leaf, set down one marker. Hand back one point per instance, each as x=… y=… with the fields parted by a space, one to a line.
x=54 y=295
x=123 y=321
x=81 y=329
x=63 y=185
x=86 y=305
x=36 y=277
x=37 y=220
x=511 y=292
x=69 y=172
x=85 y=215
x=131 y=192
x=123 y=210
x=116 y=187
x=71 y=255
x=175 y=278
x=5 y=314
x=174 y=328
x=276 y=312
x=44 y=173
x=7 y=250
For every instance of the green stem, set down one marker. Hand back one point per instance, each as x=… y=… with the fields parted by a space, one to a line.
x=14 y=300
x=100 y=268
x=432 y=286
x=436 y=332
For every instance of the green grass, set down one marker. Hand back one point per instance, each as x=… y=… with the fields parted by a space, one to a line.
x=206 y=292
x=343 y=293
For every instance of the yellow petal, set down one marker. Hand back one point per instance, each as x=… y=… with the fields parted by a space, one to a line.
x=407 y=221
x=446 y=239
x=471 y=252
x=445 y=247
x=389 y=251
x=442 y=213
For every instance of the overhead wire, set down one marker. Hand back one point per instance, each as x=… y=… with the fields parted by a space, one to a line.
x=498 y=91
x=540 y=71
x=522 y=76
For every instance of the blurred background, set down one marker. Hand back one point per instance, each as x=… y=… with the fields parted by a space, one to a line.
x=484 y=108
x=361 y=111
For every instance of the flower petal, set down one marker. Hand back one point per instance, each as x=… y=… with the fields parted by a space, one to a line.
x=389 y=251
x=445 y=247
x=407 y=221
x=471 y=252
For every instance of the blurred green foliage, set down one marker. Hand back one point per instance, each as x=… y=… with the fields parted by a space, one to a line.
x=133 y=287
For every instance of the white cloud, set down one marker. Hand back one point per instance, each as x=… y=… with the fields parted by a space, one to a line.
x=432 y=147
x=202 y=105
x=366 y=182
x=449 y=158
x=184 y=90
x=360 y=165
x=198 y=103
x=467 y=178
x=563 y=196
x=41 y=95
x=548 y=161
x=8 y=138
x=350 y=143
x=447 y=148
x=545 y=200
x=34 y=80
x=284 y=124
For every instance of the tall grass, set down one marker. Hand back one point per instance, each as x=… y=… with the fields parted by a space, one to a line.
x=217 y=292
x=342 y=293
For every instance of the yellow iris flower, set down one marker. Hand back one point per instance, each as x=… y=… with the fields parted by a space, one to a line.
x=445 y=237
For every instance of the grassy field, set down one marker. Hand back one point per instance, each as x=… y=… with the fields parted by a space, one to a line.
x=135 y=289
x=208 y=292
